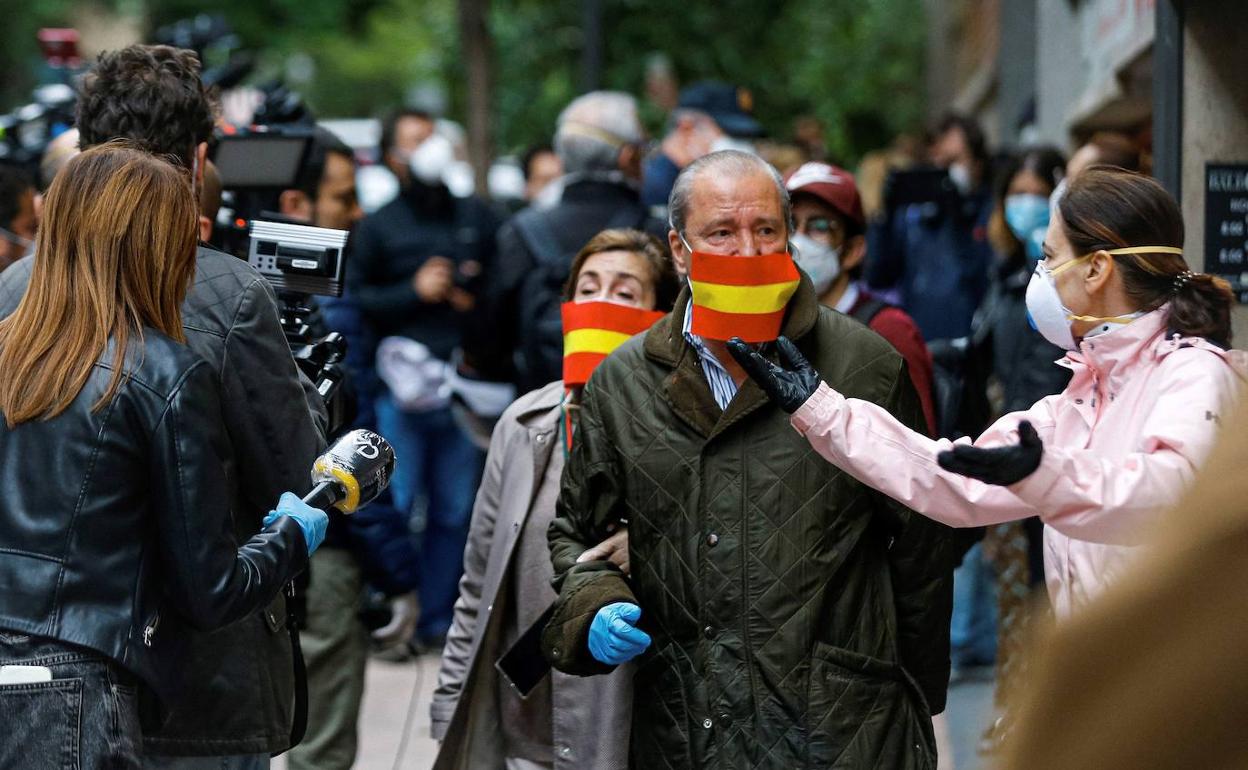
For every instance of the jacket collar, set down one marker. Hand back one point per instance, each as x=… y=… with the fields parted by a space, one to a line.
x=546 y=400
x=540 y=419
x=686 y=389
x=1139 y=343
x=1117 y=352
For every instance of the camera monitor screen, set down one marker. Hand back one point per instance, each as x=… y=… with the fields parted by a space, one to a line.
x=259 y=161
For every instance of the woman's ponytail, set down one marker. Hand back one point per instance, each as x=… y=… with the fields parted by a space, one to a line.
x=1201 y=307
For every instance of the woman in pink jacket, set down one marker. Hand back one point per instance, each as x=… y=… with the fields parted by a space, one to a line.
x=1152 y=379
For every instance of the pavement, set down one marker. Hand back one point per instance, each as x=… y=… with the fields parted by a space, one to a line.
x=394 y=725
x=968 y=712
x=394 y=721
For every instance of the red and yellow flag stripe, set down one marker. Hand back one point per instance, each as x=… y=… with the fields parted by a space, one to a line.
x=741 y=296
x=592 y=330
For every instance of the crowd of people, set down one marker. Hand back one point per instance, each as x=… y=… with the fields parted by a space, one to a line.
x=770 y=449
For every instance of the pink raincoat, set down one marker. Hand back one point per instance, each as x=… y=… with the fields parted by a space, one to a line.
x=1121 y=445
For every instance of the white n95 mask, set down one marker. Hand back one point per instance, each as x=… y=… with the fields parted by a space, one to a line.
x=820 y=261
x=1044 y=306
x=431 y=159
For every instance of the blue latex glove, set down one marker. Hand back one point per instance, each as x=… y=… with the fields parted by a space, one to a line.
x=614 y=637
x=312 y=521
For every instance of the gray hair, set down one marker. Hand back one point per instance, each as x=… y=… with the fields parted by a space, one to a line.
x=732 y=163
x=592 y=129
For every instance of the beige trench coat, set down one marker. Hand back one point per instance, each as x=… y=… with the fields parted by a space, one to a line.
x=464 y=710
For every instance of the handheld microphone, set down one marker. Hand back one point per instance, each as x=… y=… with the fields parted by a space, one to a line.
x=353 y=472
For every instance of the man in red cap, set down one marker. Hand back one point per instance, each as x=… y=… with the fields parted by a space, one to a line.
x=831 y=245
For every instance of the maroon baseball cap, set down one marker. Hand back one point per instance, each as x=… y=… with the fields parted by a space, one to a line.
x=830 y=184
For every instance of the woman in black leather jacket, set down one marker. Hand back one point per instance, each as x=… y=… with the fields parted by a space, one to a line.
x=114 y=522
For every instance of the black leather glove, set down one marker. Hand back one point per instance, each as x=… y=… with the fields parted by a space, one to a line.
x=1002 y=466
x=788 y=387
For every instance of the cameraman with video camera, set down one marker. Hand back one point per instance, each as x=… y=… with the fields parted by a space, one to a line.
x=240 y=695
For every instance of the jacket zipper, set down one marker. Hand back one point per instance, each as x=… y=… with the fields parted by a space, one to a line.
x=149 y=630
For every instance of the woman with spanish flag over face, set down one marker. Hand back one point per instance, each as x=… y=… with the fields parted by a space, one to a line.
x=1152 y=379
x=620 y=283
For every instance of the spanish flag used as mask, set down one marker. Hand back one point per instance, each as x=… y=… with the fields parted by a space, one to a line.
x=591 y=330
x=740 y=296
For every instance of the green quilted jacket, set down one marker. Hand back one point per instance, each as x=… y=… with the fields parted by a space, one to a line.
x=800 y=619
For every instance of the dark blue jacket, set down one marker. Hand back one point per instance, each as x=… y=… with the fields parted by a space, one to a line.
x=378 y=533
x=939 y=257
x=395 y=241
x=657 y=179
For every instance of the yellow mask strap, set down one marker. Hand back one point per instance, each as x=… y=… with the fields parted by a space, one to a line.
x=1121 y=319
x=1131 y=250
x=1118 y=319
x=1146 y=250
x=1071 y=263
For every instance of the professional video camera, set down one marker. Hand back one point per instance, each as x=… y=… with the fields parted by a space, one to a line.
x=299 y=261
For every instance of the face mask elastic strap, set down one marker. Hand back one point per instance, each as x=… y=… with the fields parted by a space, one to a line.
x=1061 y=268
x=1120 y=252
x=1118 y=319
x=1146 y=250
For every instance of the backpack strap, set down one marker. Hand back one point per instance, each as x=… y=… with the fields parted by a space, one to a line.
x=866 y=311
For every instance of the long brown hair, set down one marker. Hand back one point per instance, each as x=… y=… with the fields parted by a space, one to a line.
x=1109 y=208
x=115 y=253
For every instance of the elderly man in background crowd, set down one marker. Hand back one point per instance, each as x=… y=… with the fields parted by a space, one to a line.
x=797 y=618
x=518 y=333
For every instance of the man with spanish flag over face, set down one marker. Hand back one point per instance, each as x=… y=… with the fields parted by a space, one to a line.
x=780 y=613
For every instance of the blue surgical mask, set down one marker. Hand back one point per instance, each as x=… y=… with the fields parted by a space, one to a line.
x=1028 y=218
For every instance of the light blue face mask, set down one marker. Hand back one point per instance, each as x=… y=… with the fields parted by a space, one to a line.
x=1028 y=218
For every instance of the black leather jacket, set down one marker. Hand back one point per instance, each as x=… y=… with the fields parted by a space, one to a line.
x=240 y=695
x=115 y=527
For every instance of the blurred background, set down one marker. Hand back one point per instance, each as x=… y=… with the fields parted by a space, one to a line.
x=354 y=58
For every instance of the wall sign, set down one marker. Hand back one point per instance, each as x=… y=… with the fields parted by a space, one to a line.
x=1226 y=224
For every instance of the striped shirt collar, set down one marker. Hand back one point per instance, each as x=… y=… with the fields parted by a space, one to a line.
x=723 y=387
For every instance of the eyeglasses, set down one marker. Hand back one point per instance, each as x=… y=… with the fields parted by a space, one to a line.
x=819 y=226
x=822 y=228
